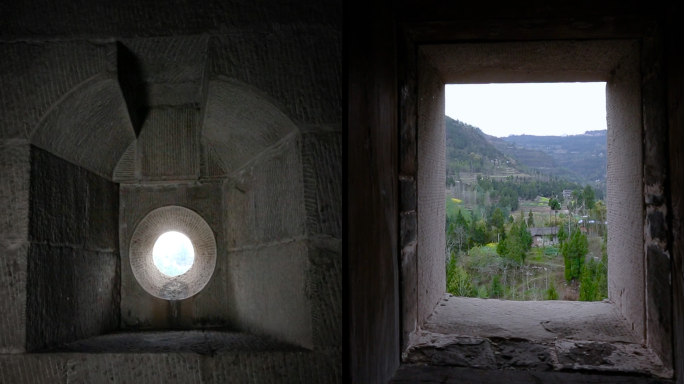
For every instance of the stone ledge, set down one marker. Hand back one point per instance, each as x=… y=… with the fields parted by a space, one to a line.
x=536 y=336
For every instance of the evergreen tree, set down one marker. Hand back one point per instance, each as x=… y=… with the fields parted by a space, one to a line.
x=551 y=293
x=530 y=220
x=588 y=195
x=574 y=252
x=498 y=219
x=497 y=289
x=460 y=220
x=562 y=234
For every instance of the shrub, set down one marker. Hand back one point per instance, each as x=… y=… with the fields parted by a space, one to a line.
x=497 y=289
x=551 y=293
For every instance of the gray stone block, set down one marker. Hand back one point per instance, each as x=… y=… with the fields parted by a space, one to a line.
x=13 y=282
x=240 y=122
x=270 y=285
x=279 y=195
x=33 y=77
x=322 y=170
x=325 y=282
x=71 y=294
x=14 y=191
x=59 y=201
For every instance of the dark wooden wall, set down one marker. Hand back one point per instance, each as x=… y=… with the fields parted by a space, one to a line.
x=674 y=64
x=372 y=207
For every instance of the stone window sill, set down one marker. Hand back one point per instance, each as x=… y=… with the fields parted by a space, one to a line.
x=531 y=335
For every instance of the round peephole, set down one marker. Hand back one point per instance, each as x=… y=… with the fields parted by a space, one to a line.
x=173 y=254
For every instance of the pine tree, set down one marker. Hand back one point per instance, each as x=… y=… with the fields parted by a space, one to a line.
x=574 y=252
x=530 y=220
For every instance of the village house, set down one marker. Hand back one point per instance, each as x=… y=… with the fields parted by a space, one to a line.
x=544 y=236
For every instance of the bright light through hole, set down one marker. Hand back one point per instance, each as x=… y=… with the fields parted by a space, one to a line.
x=173 y=254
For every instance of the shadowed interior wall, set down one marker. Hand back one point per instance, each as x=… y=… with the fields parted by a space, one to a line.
x=73 y=259
x=624 y=192
x=283 y=231
x=431 y=206
x=372 y=202
x=15 y=166
x=265 y=230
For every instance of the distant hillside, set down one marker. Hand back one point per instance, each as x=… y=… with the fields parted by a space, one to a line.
x=468 y=150
x=580 y=158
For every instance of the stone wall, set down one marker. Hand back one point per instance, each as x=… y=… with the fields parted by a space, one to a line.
x=431 y=207
x=73 y=259
x=624 y=194
x=15 y=165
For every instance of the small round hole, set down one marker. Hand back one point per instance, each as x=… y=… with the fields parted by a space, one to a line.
x=173 y=254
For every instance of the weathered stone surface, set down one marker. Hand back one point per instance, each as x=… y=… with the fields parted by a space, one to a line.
x=13 y=281
x=451 y=350
x=325 y=292
x=133 y=19
x=240 y=219
x=624 y=201
x=522 y=354
x=36 y=75
x=322 y=170
x=240 y=122
x=279 y=195
x=169 y=145
x=89 y=127
x=71 y=294
x=539 y=336
x=430 y=186
x=14 y=191
x=236 y=367
x=126 y=169
x=270 y=286
x=527 y=61
x=308 y=87
x=419 y=373
x=202 y=342
x=170 y=69
x=614 y=357
x=530 y=320
x=59 y=201
x=71 y=206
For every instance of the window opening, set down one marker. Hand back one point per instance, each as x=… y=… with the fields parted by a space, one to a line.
x=526 y=191
x=173 y=253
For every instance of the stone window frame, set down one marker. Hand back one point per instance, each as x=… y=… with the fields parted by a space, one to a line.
x=416 y=295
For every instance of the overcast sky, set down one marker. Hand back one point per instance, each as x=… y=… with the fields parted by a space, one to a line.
x=540 y=109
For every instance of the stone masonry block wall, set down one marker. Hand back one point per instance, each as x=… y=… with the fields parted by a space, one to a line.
x=625 y=198
x=431 y=204
x=265 y=233
x=321 y=154
x=73 y=260
x=306 y=88
x=83 y=18
x=211 y=306
x=34 y=76
x=14 y=207
x=274 y=367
